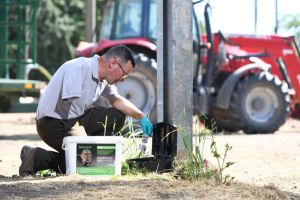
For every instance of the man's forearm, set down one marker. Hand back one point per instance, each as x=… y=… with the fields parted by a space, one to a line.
x=127 y=108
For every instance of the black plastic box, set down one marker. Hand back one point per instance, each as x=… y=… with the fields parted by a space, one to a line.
x=164 y=150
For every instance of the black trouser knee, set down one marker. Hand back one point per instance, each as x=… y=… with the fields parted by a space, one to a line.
x=101 y=121
x=52 y=131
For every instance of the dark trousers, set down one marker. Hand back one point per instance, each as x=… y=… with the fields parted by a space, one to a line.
x=52 y=131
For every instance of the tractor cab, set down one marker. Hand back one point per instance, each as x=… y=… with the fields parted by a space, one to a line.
x=134 y=23
x=129 y=19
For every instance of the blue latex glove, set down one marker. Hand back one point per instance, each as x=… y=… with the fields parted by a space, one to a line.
x=146 y=126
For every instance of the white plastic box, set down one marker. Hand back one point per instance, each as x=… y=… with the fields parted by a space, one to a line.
x=93 y=155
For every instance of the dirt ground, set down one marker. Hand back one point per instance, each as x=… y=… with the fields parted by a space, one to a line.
x=266 y=167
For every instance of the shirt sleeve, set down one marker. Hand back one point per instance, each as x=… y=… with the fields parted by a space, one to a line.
x=110 y=92
x=72 y=83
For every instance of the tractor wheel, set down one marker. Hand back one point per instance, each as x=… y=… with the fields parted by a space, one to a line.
x=260 y=103
x=140 y=86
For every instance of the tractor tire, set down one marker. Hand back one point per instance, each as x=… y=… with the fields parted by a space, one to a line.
x=140 y=86
x=260 y=103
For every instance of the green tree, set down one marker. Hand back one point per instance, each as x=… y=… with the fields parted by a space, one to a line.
x=60 y=28
x=61 y=25
x=292 y=22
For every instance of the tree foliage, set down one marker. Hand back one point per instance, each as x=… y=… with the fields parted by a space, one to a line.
x=61 y=25
x=292 y=22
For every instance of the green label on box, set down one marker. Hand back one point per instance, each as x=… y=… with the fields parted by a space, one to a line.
x=96 y=159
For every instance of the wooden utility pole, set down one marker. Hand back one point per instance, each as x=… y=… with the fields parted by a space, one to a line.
x=90 y=20
x=255 y=16
x=276 y=17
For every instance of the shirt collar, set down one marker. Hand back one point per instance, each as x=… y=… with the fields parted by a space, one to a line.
x=95 y=67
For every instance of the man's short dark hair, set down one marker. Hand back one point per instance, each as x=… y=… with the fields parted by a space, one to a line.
x=122 y=52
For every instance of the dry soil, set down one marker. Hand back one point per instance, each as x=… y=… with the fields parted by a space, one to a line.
x=266 y=167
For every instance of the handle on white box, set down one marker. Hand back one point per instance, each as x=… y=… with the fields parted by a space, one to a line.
x=63 y=146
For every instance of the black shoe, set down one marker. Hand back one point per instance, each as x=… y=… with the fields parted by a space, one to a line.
x=27 y=166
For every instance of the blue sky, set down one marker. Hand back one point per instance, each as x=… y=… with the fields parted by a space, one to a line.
x=237 y=16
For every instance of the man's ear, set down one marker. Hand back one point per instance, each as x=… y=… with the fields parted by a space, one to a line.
x=111 y=62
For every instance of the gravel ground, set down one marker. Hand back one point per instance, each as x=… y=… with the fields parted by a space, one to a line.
x=266 y=167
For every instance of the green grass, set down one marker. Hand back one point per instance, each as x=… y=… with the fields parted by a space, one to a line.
x=195 y=167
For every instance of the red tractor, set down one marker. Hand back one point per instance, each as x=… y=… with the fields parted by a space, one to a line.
x=242 y=82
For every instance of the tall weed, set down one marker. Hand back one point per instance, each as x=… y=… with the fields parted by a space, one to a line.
x=196 y=167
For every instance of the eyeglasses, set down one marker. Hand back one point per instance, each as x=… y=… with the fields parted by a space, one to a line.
x=124 y=72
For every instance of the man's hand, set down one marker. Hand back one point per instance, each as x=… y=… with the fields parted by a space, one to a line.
x=146 y=126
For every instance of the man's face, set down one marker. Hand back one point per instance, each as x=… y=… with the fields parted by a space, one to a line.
x=118 y=72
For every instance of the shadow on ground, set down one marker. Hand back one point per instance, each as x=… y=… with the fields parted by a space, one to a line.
x=20 y=137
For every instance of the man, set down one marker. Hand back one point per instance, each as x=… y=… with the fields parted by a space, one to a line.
x=73 y=95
